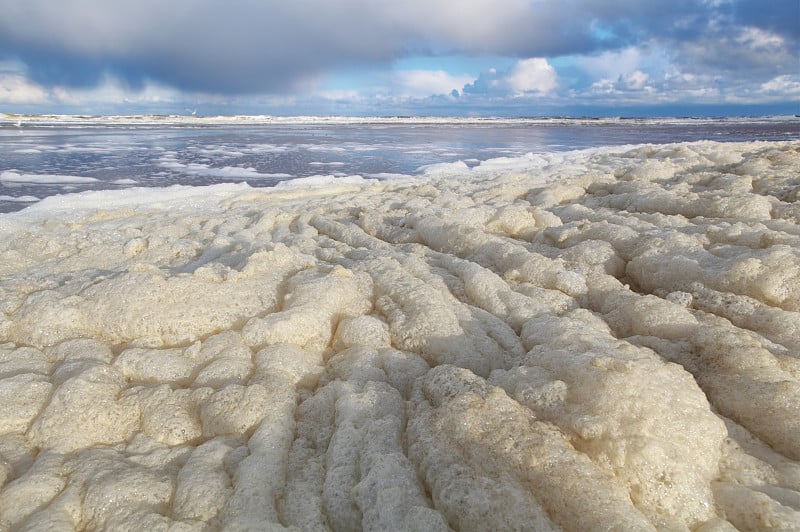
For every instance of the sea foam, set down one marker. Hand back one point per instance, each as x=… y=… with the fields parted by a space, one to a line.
x=597 y=340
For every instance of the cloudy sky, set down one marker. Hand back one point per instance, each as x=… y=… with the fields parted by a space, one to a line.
x=409 y=57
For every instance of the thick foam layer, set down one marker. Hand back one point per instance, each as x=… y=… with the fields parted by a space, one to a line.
x=605 y=339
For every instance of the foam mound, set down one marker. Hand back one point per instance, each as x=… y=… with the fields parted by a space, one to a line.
x=605 y=340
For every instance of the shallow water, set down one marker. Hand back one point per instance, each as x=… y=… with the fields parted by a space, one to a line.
x=43 y=157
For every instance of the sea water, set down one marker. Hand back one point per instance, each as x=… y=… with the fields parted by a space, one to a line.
x=540 y=338
x=45 y=156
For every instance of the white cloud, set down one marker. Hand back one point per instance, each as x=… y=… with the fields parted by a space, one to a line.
x=534 y=75
x=788 y=86
x=636 y=80
x=113 y=91
x=16 y=89
x=527 y=77
x=423 y=83
x=111 y=94
x=351 y=95
x=612 y=64
x=759 y=39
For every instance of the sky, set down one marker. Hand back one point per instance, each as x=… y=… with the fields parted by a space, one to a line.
x=401 y=57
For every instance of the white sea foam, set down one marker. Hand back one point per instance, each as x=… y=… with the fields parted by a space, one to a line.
x=598 y=340
x=444 y=169
x=146 y=120
x=16 y=177
x=169 y=161
x=20 y=199
x=322 y=181
x=100 y=148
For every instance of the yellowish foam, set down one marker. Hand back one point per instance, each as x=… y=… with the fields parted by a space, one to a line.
x=608 y=340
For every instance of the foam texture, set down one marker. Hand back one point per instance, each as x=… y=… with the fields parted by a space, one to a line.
x=603 y=340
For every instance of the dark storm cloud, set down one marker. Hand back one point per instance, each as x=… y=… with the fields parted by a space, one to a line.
x=781 y=16
x=234 y=46
x=248 y=46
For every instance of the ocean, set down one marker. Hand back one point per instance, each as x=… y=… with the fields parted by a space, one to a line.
x=46 y=156
x=254 y=323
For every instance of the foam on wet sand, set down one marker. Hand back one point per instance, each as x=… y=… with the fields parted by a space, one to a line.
x=600 y=340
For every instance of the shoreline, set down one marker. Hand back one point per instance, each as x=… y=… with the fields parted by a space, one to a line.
x=23 y=119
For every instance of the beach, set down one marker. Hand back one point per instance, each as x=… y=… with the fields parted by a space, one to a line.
x=598 y=339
